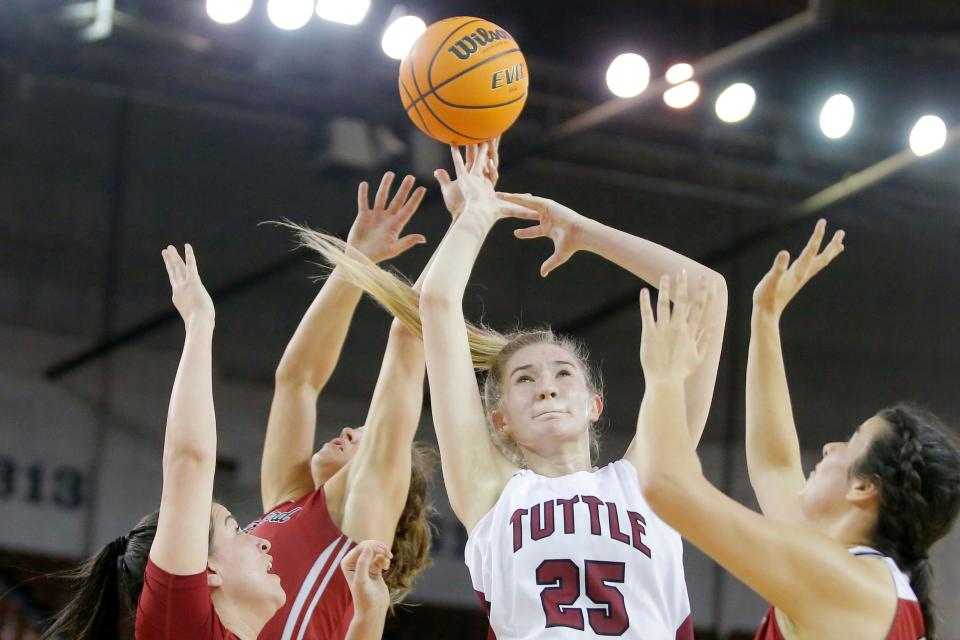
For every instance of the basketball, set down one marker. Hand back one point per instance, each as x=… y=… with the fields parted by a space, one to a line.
x=463 y=81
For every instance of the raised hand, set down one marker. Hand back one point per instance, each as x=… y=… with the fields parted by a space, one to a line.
x=477 y=191
x=557 y=222
x=781 y=283
x=450 y=189
x=363 y=568
x=673 y=344
x=376 y=231
x=190 y=297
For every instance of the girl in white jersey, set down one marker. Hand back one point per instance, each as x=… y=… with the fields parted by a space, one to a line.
x=557 y=548
x=840 y=555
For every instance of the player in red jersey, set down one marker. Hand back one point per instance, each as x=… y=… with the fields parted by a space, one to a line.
x=825 y=549
x=363 y=484
x=187 y=570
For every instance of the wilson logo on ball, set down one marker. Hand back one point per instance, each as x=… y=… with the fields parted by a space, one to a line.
x=464 y=80
x=469 y=45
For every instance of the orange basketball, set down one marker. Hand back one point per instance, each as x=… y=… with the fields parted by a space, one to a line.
x=463 y=81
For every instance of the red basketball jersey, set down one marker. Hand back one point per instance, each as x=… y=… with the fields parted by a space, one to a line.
x=307 y=548
x=907 y=621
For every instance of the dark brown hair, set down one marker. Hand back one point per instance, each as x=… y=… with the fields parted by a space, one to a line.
x=917 y=467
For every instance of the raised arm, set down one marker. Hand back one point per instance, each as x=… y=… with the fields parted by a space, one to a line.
x=314 y=349
x=373 y=487
x=474 y=471
x=572 y=232
x=190 y=441
x=773 y=450
x=803 y=573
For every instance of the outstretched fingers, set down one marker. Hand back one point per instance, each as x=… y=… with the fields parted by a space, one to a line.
x=400 y=197
x=458 y=165
x=704 y=293
x=443 y=178
x=191 y=261
x=663 y=299
x=170 y=265
x=521 y=213
x=551 y=263
x=831 y=251
x=526 y=233
x=410 y=206
x=810 y=251
x=681 y=301
x=522 y=199
x=363 y=196
x=646 y=311
x=380 y=201
x=480 y=160
x=780 y=265
x=409 y=241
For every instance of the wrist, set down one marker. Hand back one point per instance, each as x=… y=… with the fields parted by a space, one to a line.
x=366 y=252
x=764 y=318
x=200 y=323
x=476 y=216
x=479 y=209
x=371 y=612
x=339 y=283
x=585 y=234
x=665 y=381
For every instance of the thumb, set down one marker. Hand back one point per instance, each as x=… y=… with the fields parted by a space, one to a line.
x=442 y=177
x=780 y=264
x=552 y=263
x=411 y=240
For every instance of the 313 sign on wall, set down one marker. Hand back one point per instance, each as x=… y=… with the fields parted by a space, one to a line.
x=34 y=482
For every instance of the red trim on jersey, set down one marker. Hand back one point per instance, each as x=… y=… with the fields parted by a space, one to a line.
x=907 y=623
x=685 y=630
x=307 y=548
x=486 y=609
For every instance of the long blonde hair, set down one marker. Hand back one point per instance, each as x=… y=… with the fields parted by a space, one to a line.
x=489 y=349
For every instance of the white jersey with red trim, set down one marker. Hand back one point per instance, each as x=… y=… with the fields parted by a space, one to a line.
x=576 y=557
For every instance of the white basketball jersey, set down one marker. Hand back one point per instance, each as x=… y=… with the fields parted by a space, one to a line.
x=580 y=556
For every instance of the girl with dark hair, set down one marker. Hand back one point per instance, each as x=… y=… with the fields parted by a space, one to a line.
x=842 y=554
x=187 y=570
x=557 y=548
x=366 y=483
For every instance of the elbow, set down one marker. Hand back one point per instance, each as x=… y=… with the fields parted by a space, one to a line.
x=432 y=303
x=402 y=334
x=188 y=455
x=664 y=491
x=653 y=485
x=290 y=375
